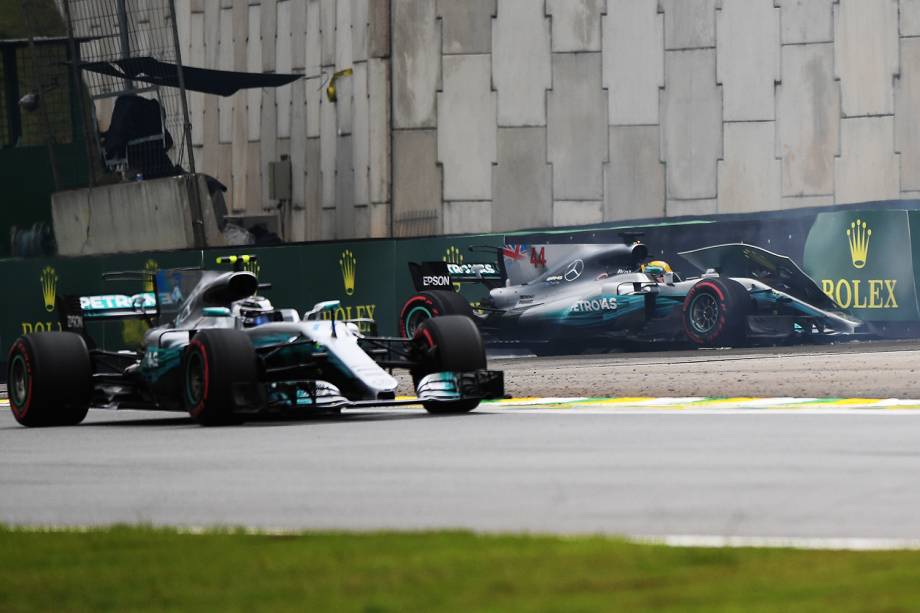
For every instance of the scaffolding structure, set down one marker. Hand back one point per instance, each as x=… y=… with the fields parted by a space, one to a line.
x=118 y=30
x=142 y=129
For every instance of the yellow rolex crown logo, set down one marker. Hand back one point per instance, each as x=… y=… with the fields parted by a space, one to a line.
x=150 y=270
x=348 y=263
x=49 y=281
x=858 y=236
x=453 y=256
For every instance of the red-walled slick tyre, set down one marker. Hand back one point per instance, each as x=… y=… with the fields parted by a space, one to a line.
x=50 y=379
x=213 y=363
x=425 y=305
x=715 y=312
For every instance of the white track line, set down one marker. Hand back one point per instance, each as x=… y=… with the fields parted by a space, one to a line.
x=714 y=411
x=696 y=404
x=786 y=542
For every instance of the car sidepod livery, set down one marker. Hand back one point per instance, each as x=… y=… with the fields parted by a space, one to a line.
x=219 y=351
x=603 y=296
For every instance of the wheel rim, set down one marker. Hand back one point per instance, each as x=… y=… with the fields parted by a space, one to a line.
x=704 y=313
x=414 y=319
x=194 y=378
x=19 y=379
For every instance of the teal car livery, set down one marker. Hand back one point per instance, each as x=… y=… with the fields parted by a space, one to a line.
x=219 y=351
x=604 y=296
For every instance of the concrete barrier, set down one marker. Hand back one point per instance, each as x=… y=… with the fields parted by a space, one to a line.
x=131 y=217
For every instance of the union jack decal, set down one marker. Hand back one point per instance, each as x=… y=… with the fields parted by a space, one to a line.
x=516 y=252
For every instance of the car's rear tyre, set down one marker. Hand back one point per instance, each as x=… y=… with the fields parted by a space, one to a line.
x=449 y=343
x=215 y=363
x=715 y=312
x=425 y=305
x=50 y=379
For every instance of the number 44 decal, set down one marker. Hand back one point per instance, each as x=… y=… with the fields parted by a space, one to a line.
x=538 y=258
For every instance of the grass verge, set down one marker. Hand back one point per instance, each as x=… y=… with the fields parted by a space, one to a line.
x=146 y=569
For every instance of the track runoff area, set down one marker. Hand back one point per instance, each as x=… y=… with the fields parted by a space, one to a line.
x=646 y=404
x=808 y=447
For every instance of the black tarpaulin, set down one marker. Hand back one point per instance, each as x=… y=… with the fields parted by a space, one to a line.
x=221 y=82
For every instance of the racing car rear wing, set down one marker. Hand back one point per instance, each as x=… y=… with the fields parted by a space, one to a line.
x=172 y=288
x=75 y=311
x=118 y=306
x=442 y=275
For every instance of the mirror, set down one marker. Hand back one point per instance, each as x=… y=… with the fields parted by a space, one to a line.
x=321 y=307
x=215 y=312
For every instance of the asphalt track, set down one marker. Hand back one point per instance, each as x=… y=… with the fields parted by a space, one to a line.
x=686 y=468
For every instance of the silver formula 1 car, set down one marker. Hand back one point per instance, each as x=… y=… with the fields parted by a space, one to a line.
x=607 y=295
x=219 y=351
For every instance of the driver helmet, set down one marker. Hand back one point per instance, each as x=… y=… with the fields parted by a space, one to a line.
x=656 y=269
x=252 y=311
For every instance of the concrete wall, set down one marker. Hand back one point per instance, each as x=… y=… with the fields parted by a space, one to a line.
x=496 y=115
x=339 y=152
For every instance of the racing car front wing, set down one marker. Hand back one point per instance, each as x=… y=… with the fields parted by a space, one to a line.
x=323 y=396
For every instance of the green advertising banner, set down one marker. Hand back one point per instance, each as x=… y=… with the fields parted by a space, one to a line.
x=357 y=274
x=362 y=275
x=35 y=285
x=370 y=278
x=861 y=259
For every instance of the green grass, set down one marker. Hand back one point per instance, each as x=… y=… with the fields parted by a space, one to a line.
x=144 y=569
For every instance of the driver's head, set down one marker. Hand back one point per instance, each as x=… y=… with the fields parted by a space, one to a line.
x=656 y=269
x=253 y=311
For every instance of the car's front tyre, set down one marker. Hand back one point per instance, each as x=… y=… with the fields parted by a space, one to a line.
x=215 y=365
x=450 y=343
x=715 y=312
